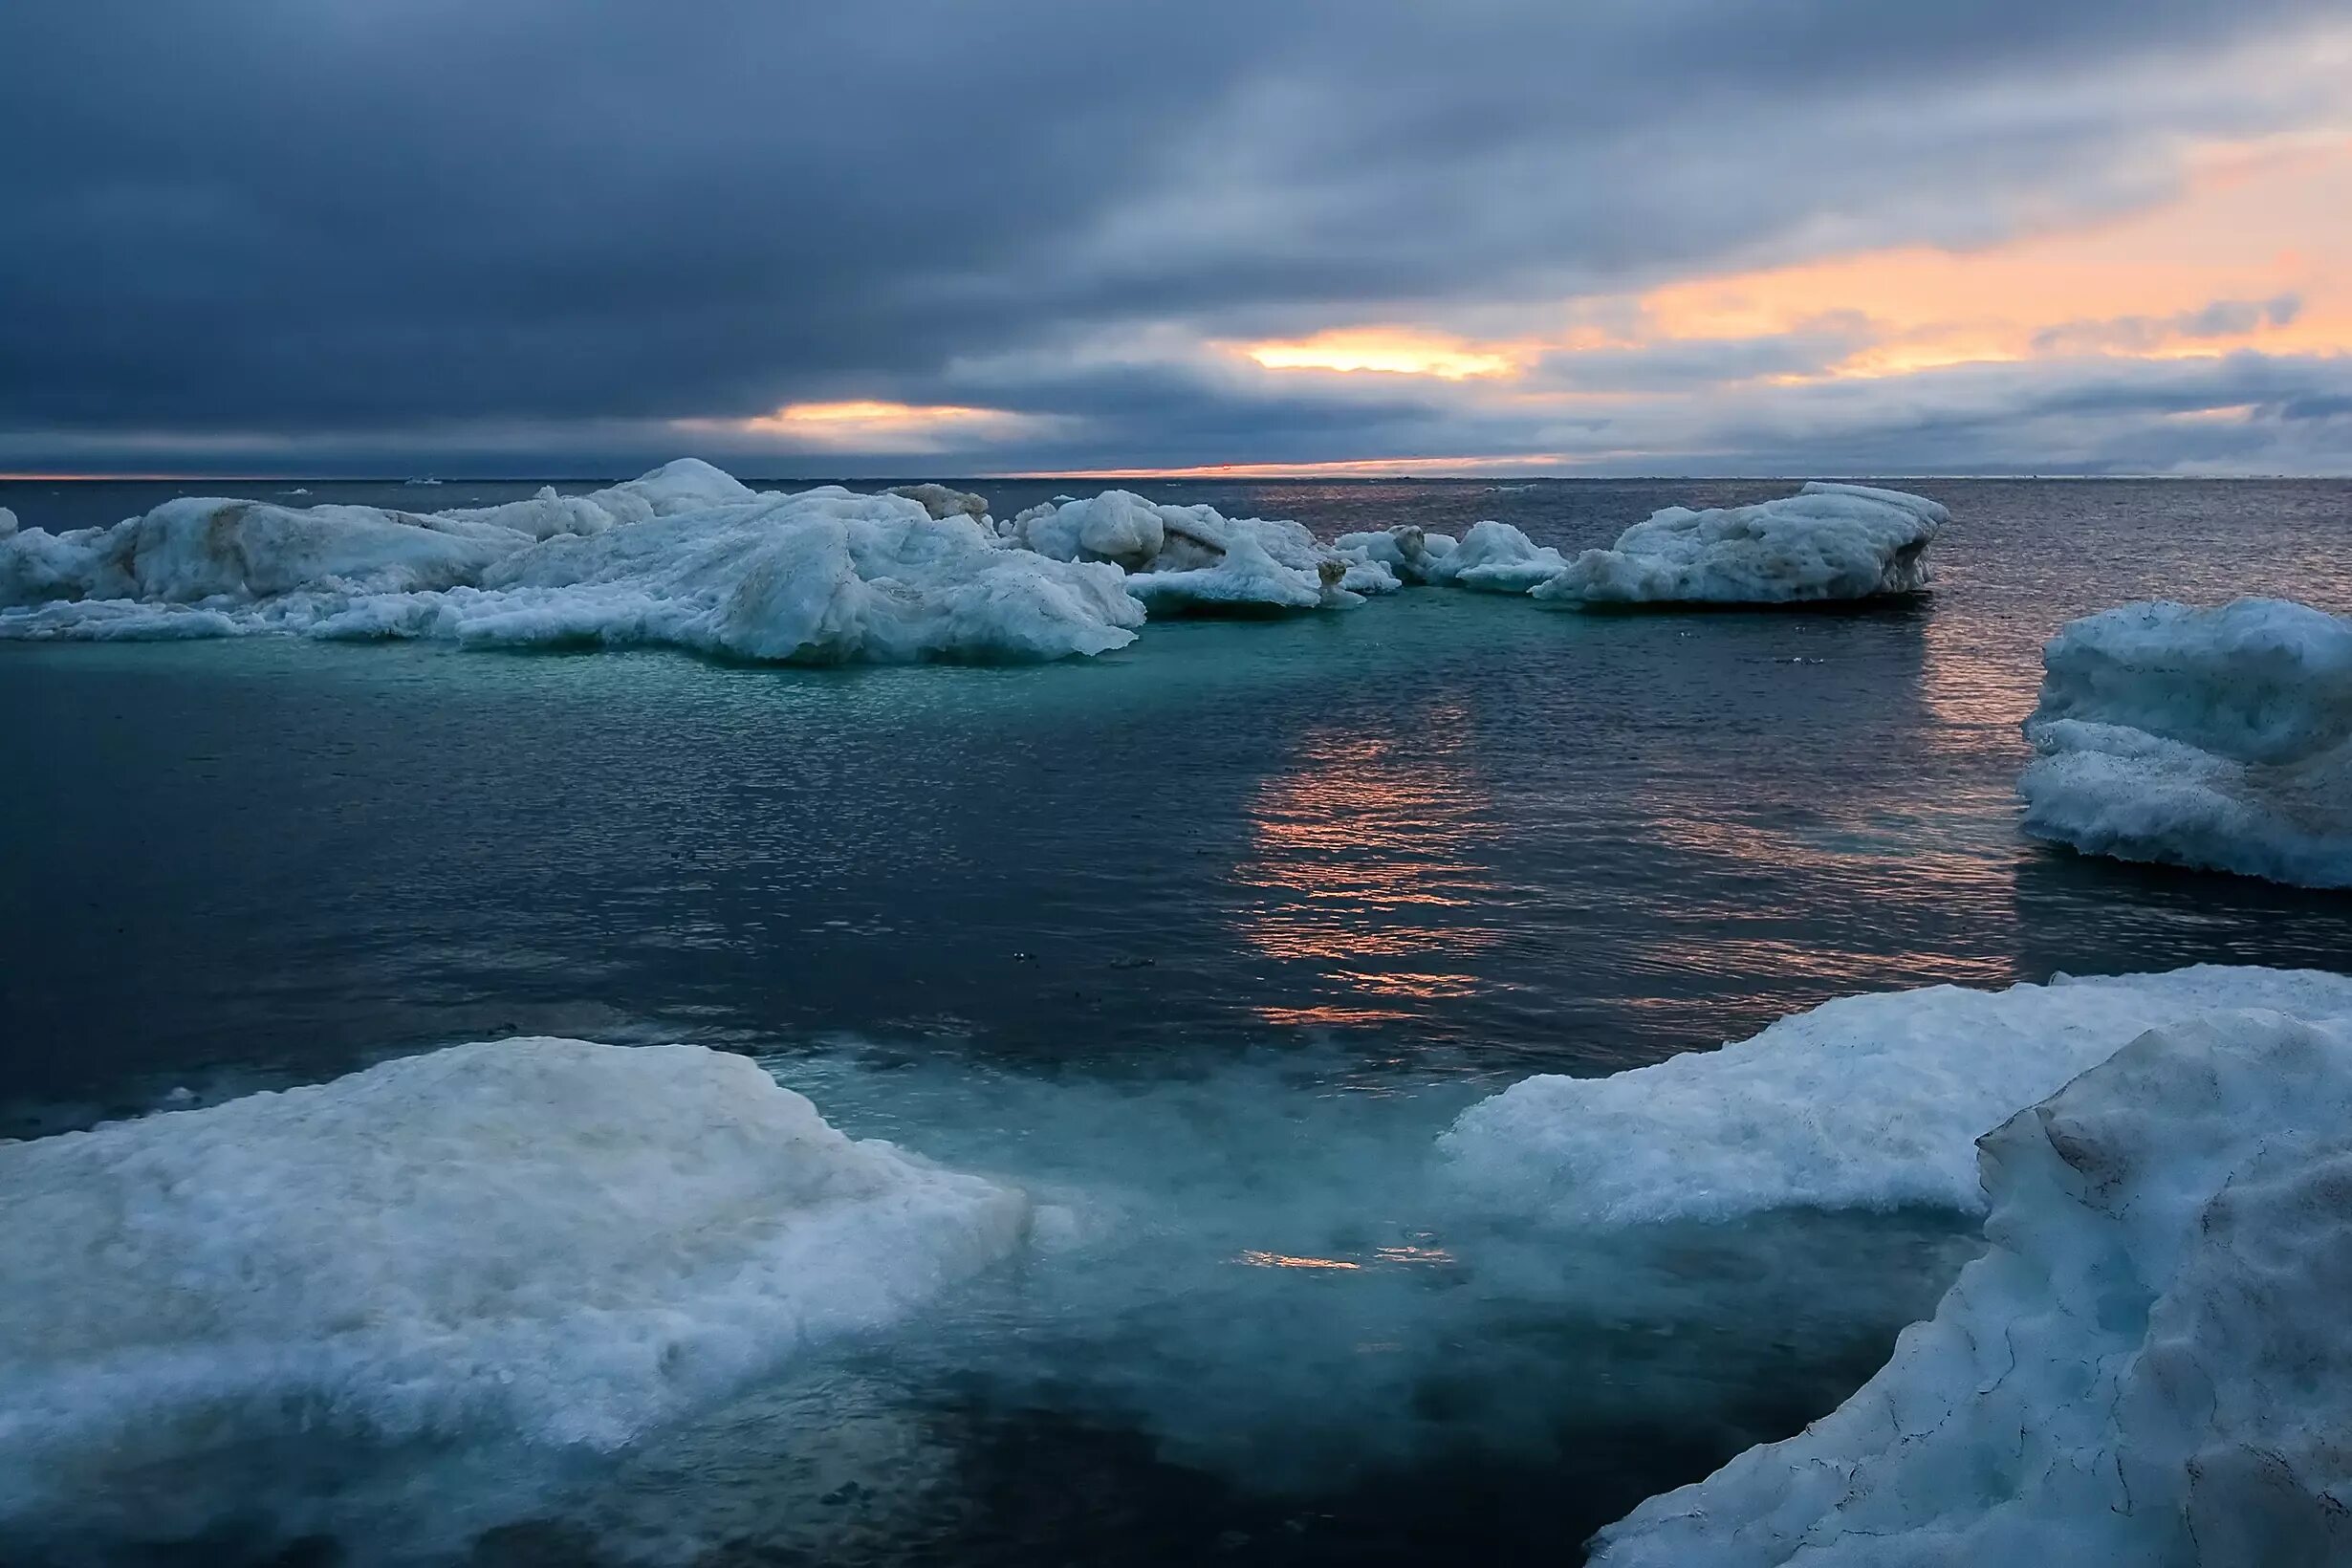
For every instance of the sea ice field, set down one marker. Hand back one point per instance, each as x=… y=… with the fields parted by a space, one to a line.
x=1194 y=1088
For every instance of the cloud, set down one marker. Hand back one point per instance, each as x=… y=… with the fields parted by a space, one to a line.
x=508 y=232
x=2142 y=334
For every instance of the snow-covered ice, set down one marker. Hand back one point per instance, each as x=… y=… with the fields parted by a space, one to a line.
x=1491 y=556
x=1825 y=542
x=684 y=556
x=541 y=1241
x=1872 y=1101
x=1195 y=558
x=942 y=500
x=2150 y=1366
x=2219 y=738
x=1410 y=552
x=1497 y=558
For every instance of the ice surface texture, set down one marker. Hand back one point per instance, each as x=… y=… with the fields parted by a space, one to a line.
x=1195 y=558
x=2150 y=1365
x=541 y=1240
x=1825 y=542
x=2217 y=738
x=1864 y=1103
x=684 y=556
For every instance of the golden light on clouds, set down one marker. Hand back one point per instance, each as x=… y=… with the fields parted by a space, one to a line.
x=1357 y=468
x=865 y=425
x=2257 y=226
x=2254 y=251
x=1392 y=351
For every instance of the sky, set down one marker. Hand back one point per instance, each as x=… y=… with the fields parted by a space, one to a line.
x=938 y=237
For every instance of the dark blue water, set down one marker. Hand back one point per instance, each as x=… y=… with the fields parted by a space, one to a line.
x=1425 y=846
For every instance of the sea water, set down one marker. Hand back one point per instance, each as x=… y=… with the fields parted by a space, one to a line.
x=1202 y=944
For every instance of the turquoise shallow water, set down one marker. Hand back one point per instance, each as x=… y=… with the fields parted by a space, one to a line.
x=1236 y=918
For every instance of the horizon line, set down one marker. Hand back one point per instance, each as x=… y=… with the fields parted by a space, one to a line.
x=1195 y=475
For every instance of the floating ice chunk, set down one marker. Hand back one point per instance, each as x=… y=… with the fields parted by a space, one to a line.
x=1368 y=576
x=1243 y=576
x=2217 y=738
x=541 y=1241
x=1497 y=558
x=2150 y=1365
x=1196 y=558
x=684 y=556
x=1410 y=552
x=1117 y=526
x=823 y=576
x=1871 y=1103
x=199 y=548
x=1825 y=542
x=942 y=501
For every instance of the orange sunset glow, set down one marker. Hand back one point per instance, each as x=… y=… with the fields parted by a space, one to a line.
x=2253 y=251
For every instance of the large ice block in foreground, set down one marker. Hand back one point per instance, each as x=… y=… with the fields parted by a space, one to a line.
x=1870 y=1102
x=684 y=558
x=1825 y=542
x=2219 y=738
x=2152 y=1364
x=541 y=1241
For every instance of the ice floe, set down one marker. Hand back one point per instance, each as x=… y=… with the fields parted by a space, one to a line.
x=1410 y=552
x=1195 y=558
x=537 y=1241
x=685 y=556
x=1825 y=542
x=1497 y=558
x=2150 y=1365
x=2219 y=738
x=1871 y=1101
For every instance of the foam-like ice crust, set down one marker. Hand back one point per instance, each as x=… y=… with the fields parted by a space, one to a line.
x=2217 y=738
x=542 y=1240
x=684 y=556
x=1825 y=542
x=1870 y=1102
x=2150 y=1366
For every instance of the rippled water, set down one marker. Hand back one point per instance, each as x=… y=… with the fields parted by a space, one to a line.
x=1230 y=922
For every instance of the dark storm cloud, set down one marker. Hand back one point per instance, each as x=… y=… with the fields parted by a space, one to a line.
x=359 y=224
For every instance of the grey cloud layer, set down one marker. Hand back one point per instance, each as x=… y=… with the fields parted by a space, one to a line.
x=355 y=225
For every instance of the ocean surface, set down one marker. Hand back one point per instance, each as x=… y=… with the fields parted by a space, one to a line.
x=1215 y=934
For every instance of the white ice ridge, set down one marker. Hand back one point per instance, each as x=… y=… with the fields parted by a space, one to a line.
x=1867 y=1102
x=2219 y=738
x=684 y=556
x=542 y=1240
x=1825 y=542
x=1493 y=557
x=1196 y=558
x=2150 y=1365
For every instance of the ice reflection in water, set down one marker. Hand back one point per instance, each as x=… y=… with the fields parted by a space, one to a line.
x=1363 y=864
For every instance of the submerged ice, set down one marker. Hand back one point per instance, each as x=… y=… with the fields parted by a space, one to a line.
x=2219 y=738
x=2150 y=1366
x=1872 y=1101
x=535 y=1241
